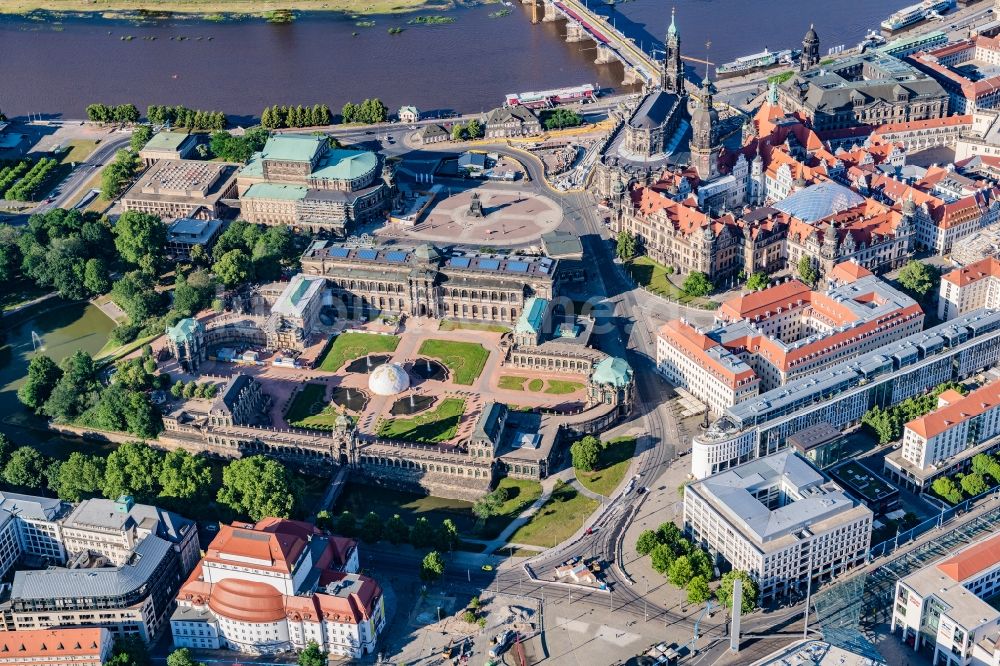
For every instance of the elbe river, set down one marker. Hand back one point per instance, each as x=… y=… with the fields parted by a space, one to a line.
x=57 y=67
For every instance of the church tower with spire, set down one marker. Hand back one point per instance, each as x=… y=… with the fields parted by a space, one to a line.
x=705 y=144
x=810 y=50
x=672 y=70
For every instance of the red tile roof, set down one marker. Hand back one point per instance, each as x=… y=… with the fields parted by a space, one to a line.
x=51 y=646
x=972 y=560
x=849 y=271
x=975 y=404
x=984 y=268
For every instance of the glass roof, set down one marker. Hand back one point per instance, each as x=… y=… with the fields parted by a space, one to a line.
x=818 y=201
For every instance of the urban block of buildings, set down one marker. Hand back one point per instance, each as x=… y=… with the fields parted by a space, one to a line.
x=967 y=70
x=276 y=586
x=762 y=340
x=779 y=519
x=969 y=288
x=184 y=189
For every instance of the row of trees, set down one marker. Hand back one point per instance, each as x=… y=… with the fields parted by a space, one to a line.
x=33 y=182
x=368 y=112
x=11 y=173
x=373 y=528
x=181 y=116
x=887 y=423
x=117 y=175
x=675 y=557
x=193 y=389
x=121 y=113
x=276 y=117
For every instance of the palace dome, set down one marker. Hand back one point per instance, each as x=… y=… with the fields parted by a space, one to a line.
x=388 y=379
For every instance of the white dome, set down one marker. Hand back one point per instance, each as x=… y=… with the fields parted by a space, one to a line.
x=388 y=379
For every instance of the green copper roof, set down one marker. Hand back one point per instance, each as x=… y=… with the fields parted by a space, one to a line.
x=166 y=140
x=292 y=147
x=532 y=316
x=672 y=30
x=254 y=167
x=271 y=191
x=345 y=164
x=613 y=370
x=183 y=330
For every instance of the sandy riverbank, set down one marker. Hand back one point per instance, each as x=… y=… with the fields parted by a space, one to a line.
x=221 y=10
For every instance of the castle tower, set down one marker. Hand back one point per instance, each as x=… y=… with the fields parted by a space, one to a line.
x=672 y=71
x=810 y=50
x=705 y=145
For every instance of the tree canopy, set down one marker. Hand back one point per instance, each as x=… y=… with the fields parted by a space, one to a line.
x=585 y=453
x=257 y=487
x=697 y=284
x=918 y=278
x=750 y=591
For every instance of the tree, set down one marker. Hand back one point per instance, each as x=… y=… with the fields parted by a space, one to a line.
x=96 y=278
x=974 y=484
x=750 y=591
x=233 y=268
x=347 y=524
x=562 y=117
x=585 y=453
x=118 y=174
x=43 y=375
x=625 y=245
x=432 y=567
x=371 y=528
x=193 y=293
x=135 y=294
x=6 y=448
x=490 y=505
x=883 y=423
x=646 y=542
x=140 y=239
x=457 y=132
x=447 y=535
x=984 y=465
x=74 y=392
x=758 y=282
x=422 y=533
x=184 y=476
x=311 y=656
x=697 y=284
x=140 y=137
x=807 y=270
x=473 y=129
x=918 y=279
x=182 y=657
x=133 y=469
x=396 y=530
x=697 y=591
x=946 y=488
x=681 y=572
x=80 y=477
x=660 y=558
x=701 y=563
x=26 y=468
x=129 y=650
x=257 y=487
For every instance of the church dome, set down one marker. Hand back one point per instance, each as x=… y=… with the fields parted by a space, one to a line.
x=388 y=379
x=811 y=36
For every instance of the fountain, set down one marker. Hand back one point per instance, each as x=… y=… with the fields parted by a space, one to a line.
x=36 y=342
x=353 y=400
x=411 y=405
x=430 y=370
x=367 y=364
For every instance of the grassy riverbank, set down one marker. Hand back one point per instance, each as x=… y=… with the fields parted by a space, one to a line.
x=225 y=9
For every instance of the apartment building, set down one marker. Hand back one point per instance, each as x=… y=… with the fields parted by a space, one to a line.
x=83 y=646
x=781 y=521
x=943 y=606
x=276 y=585
x=944 y=441
x=36 y=522
x=969 y=288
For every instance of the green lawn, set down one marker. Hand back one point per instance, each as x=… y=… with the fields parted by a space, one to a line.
x=612 y=465
x=310 y=409
x=521 y=493
x=452 y=325
x=360 y=498
x=654 y=277
x=562 y=387
x=535 y=385
x=464 y=359
x=77 y=150
x=512 y=382
x=349 y=346
x=558 y=519
x=433 y=426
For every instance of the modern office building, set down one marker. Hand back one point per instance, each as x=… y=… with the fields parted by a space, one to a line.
x=183 y=188
x=114 y=528
x=942 y=607
x=39 y=532
x=276 y=586
x=944 y=441
x=186 y=233
x=77 y=646
x=969 y=288
x=780 y=520
x=842 y=393
x=821 y=444
x=133 y=598
x=168 y=145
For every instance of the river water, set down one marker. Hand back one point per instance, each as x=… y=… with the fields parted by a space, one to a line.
x=58 y=68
